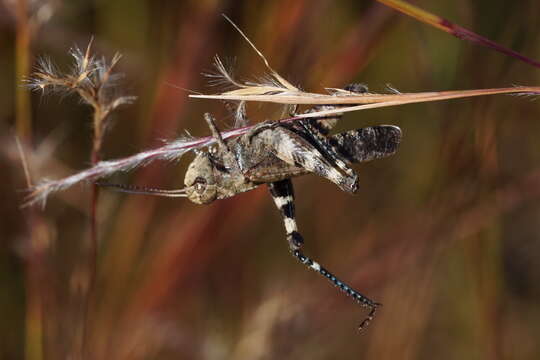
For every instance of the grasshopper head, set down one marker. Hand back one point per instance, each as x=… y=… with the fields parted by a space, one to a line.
x=200 y=181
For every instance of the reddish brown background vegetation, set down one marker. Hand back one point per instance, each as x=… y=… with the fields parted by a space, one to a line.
x=445 y=234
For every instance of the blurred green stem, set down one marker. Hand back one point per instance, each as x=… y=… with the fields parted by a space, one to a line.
x=98 y=121
x=22 y=71
x=34 y=300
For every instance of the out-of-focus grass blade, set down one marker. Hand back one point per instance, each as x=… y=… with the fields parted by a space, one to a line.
x=456 y=30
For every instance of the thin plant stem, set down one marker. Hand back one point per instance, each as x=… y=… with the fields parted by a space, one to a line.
x=22 y=71
x=93 y=246
x=454 y=29
x=23 y=126
x=34 y=275
x=93 y=80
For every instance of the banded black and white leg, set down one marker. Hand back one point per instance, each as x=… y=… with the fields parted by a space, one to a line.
x=283 y=195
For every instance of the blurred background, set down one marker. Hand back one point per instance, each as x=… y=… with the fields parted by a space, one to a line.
x=445 y=233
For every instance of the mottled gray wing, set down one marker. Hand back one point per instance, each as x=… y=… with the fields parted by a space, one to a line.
x=367 y=144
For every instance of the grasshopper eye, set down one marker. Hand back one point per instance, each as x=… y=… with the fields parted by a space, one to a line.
x=200 y=184
x=200 y=181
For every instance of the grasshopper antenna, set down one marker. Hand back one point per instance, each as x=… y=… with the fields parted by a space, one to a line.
x=142 y=190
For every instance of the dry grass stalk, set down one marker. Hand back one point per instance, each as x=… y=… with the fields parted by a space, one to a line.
x=342 y=97
x=94 y=81
x=175 y=150
x=276 y=89
x=454 y=29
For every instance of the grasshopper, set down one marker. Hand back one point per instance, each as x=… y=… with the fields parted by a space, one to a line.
x=272 y=154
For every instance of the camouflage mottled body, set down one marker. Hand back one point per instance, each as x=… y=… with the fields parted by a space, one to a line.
x=277 y=151
x=273 y=153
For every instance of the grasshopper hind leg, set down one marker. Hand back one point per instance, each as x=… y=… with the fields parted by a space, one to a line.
x=283 y=195
x=295 y=150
